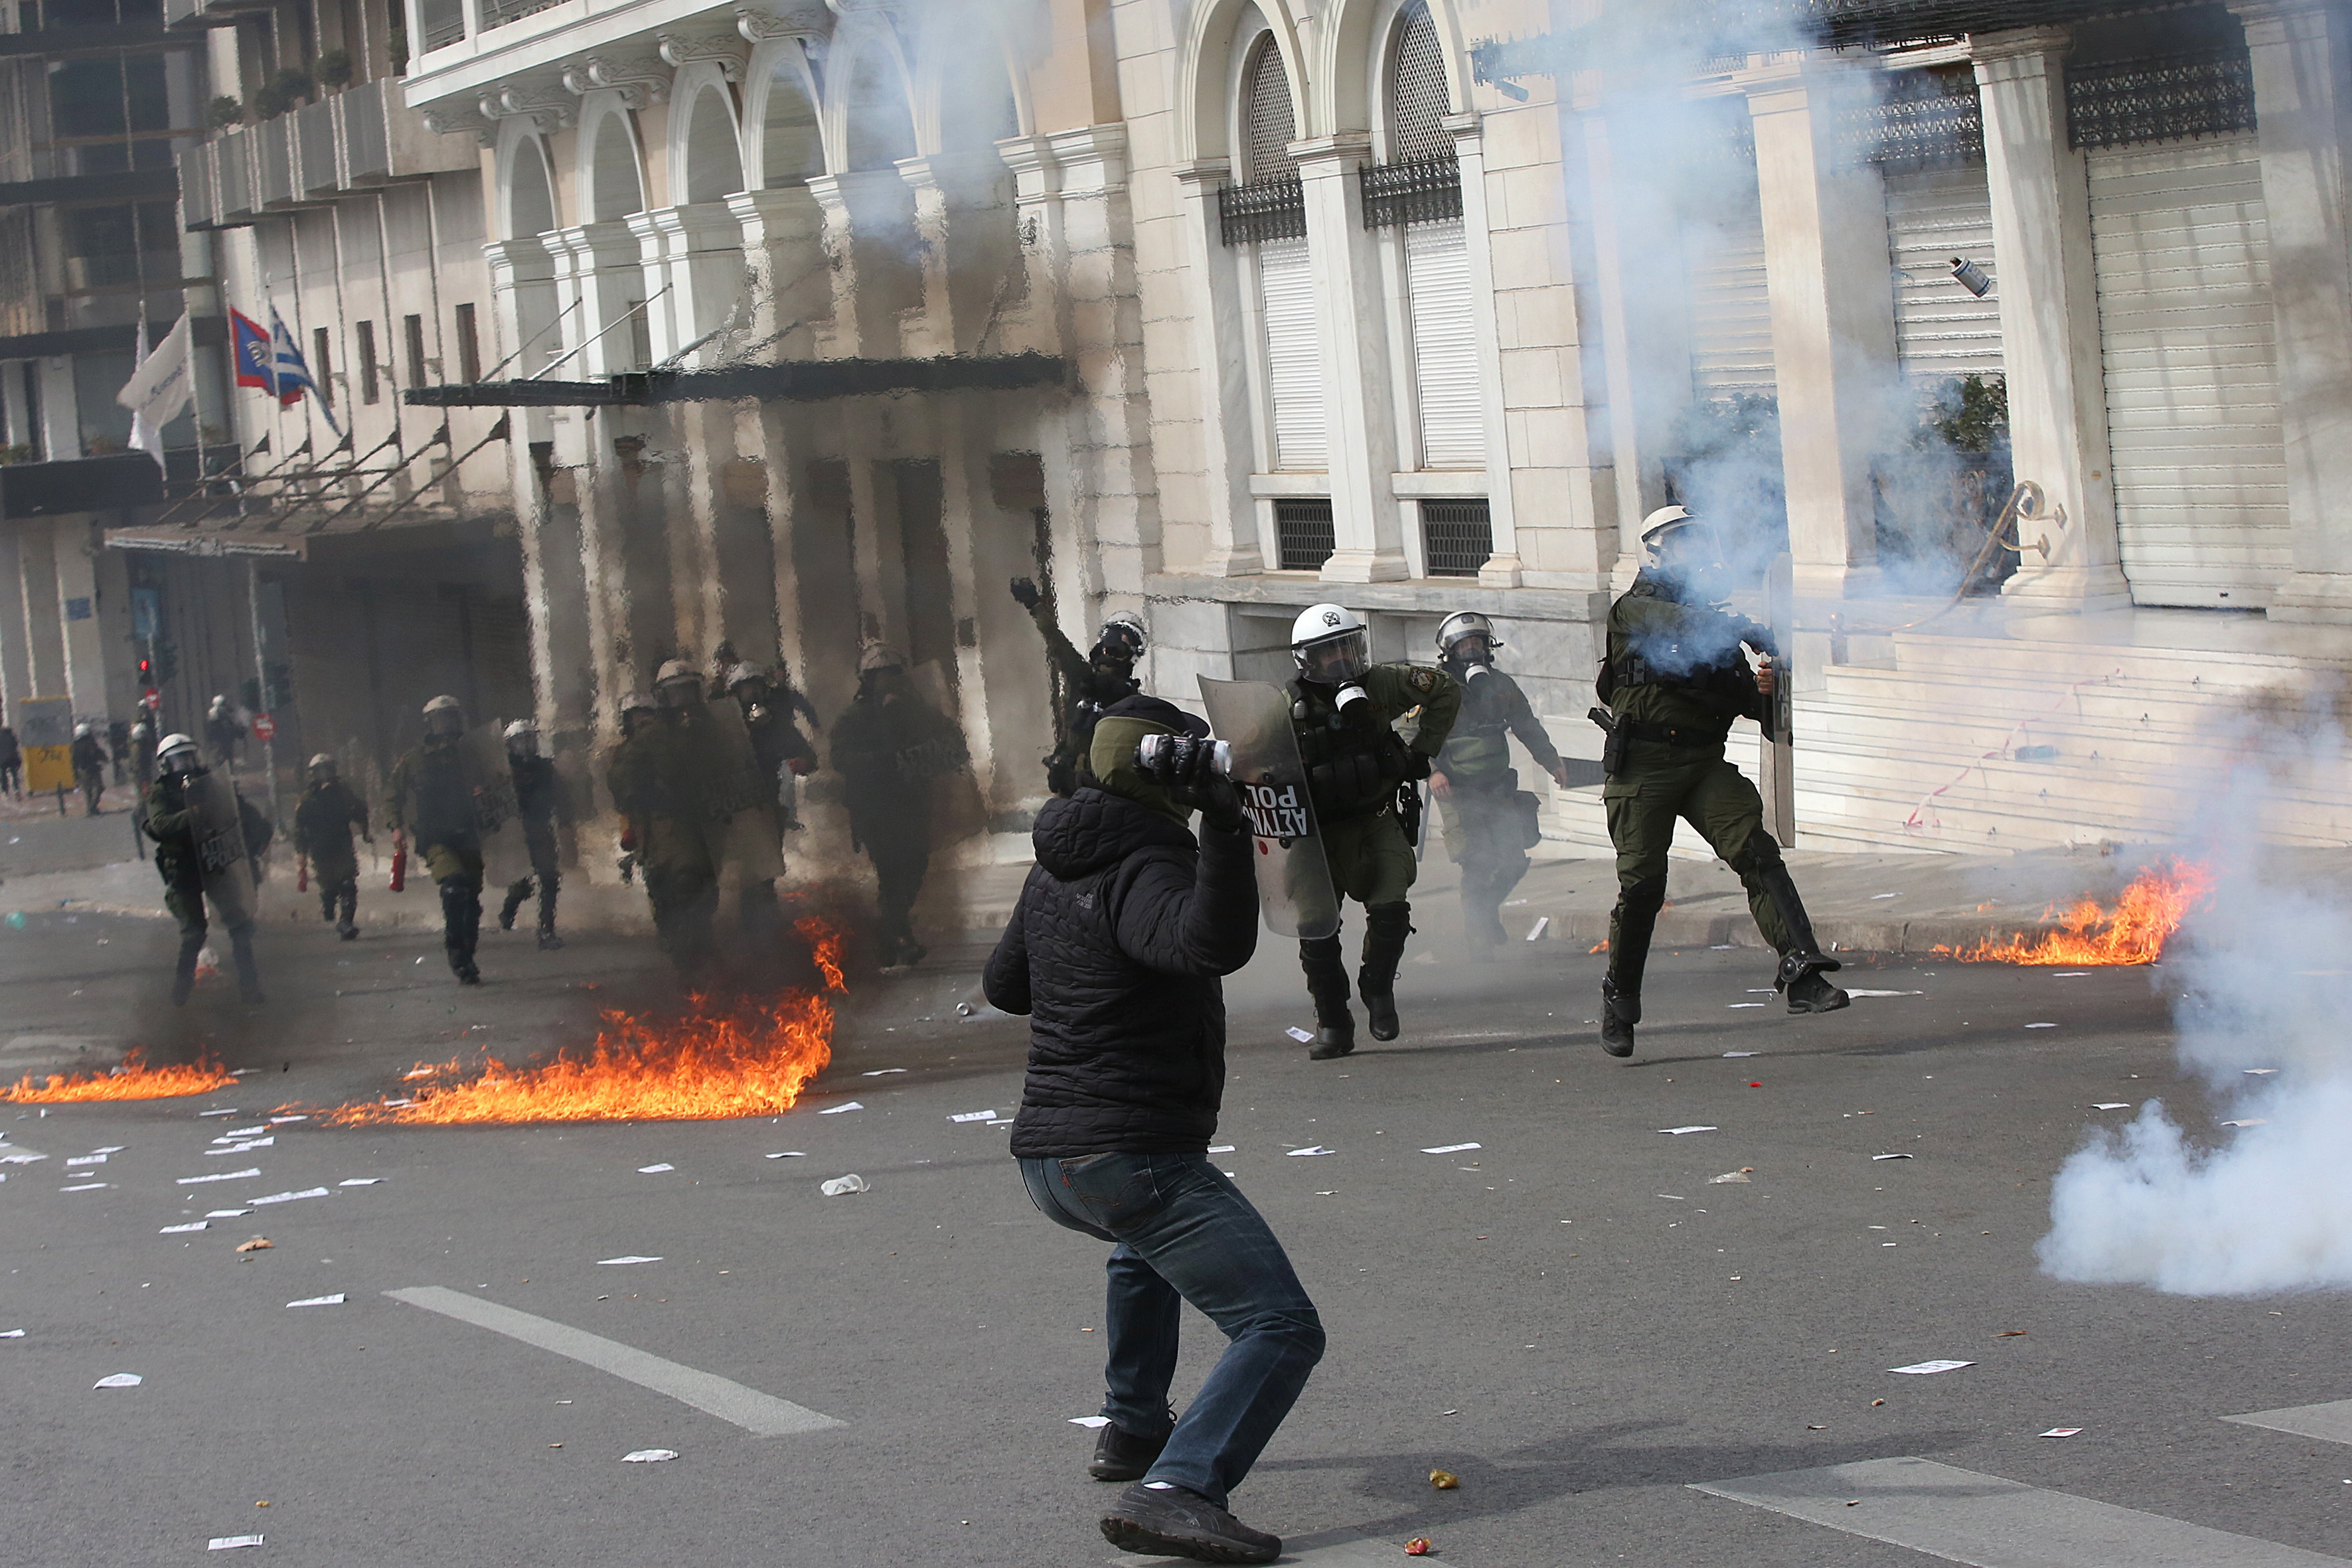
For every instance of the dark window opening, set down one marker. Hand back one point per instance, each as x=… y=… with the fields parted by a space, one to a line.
x=1304 y=533
x=414 y=328
x=369 y=390
x=470 y=346
x=1457 y=537
x=322 y=370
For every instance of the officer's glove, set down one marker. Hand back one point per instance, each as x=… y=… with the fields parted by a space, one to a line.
x=1417 y=764
x=1024 y=593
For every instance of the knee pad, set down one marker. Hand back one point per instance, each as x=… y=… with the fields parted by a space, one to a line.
x=1647 y=897
x=1389 y=920
x=1760 y=856
x=1319 y=950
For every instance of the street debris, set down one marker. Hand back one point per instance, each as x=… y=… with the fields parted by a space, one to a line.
x=2041 y=1026
x=654 y=1170
x=1310 y=1148
x=1875 y=897
x=2060 y=1432
x=881 y=1072
x=1091 y=1423
x=786 y=1154
x=1543 y=924
x=119 y=1380
x=974 y=1116
x=649 y=1455
x=2259 y=1072
x=2249 y=1121
x=1877 y=1157
x=1743 y=1174
x=360 y=1181
x=838 y=1110
x=223 y=1177
x=1220 y=1148
x=288 y=1197
x=20 y=1159
x=231 y=1542
x=1301 y=1035
x=1736 y=1005
x=2011 y=1334
x=240 y=1148
x=633 y=1257
x=192 y=1224
x=1922 y=1369
x=74 y=1159
x=1678 y=1131
x=12 y=1333
x=234 y=1134
x=1451 y=1149
x=851 y=1183
x=83 y=1187
x=256 y=1243
x=1444 y=1481
x=2112 y=1105
x=334 y=1301
x=1727 y=1055
x=226 y=1214
x=1853 y=992
x=1417 y=1547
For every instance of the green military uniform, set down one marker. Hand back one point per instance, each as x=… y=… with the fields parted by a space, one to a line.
x=1082 y=689
x=888 y=747
x=1355 y=763
x=323 y=822
x=540 y=809
x=431 y=798
x=669 y=779
x=167 y=818
x=1674 y=682
x=1490 y=823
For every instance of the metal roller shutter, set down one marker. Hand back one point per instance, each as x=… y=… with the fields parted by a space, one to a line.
x=1933 y=216
x=1445 y=346
x=1294 y=369
x=2182 y=244
x=1731 y=312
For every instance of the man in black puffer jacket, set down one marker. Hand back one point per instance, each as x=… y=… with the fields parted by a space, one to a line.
x=1115 y=951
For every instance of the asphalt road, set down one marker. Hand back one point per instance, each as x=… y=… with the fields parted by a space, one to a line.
x=1571 y=1318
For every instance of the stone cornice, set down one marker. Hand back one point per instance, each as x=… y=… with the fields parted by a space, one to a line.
x=639 y=82
x=728 y=50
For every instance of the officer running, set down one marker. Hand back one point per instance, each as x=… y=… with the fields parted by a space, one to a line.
x=88 y=757
x=1360 y=772
x=888 y=748
x=783 y=757
x=539 y=807
x=224 y=731
x=1083 y=686
x=1490 y=823
x=323 y=821
x=660 y=784
x=1675 y=679
x=431 y=798
x=142 y=754
x=176 y=825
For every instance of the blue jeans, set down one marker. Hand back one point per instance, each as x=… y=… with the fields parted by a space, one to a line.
x=1185 y=1233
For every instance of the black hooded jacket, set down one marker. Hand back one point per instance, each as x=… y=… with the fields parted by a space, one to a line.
x=1115 y=951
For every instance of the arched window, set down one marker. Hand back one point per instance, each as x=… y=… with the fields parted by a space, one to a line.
x=1270 y=210
x=531 y=209
x=1417 y=99
x=614 y=188
x=1269 y=124
x=714 y=167
x=881 y=129
x=1419 y=190
x=793 y=152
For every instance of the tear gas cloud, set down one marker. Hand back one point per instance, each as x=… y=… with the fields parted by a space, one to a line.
x=2265 y=972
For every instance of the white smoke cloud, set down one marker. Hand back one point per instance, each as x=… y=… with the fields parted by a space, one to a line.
x=2265 y=974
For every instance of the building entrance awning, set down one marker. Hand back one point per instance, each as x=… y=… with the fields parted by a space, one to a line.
x=795 y=381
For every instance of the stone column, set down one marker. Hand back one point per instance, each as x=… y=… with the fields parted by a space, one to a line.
x=16 y=666
x=1825 y=263
x=71 y=541
x=2049 y=317
x=2301 y=103
x=1031 y=322
x=970 y=263
x=60 y=436
x=45 y=644
x=868 y=238
x=693 y=259
x=1502 y=567
x=791 y=290
x=1351 y=327
x=1220 y=376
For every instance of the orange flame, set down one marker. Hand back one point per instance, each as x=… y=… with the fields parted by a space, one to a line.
x=2144 y=917
x=134 y=1079
x=752 y=1060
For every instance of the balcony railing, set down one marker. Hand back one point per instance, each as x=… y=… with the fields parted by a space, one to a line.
x=1399 y=194
x=314 y=139
x=1268 y=209
x=443 y=21
x=353 y=141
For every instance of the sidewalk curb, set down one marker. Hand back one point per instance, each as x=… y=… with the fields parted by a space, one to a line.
x=1896 y=938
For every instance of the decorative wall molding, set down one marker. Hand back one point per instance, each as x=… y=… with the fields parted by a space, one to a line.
x=683 y=49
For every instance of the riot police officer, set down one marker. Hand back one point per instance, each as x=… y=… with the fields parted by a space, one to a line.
x=539 y=807
x=88 y=757
x=887 y=746
x=660 y=784
x=1360 y=770
x=1083 y=686
x=1490 y=822
x=322 y=832
x=1674 y=679
x=430 y=797
x=202 y=847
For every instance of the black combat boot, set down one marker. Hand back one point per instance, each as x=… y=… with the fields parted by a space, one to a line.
x=1327 y=983
x=1802 y=963
x=1386 y=926
x=461 y=914
x=249 y=973
x=1631 y=926
x=548 y=940
x=347 y=926
x=326 y=903
x=516 y=893
x=1620 y=1011
x=183 y=978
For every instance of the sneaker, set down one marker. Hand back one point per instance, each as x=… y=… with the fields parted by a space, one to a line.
x=1173 y=1521
x=1121 y=1456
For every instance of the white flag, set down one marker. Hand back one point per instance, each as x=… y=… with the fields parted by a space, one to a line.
x=158 y=389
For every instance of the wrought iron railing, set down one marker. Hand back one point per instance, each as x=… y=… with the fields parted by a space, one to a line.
x=1398 y=193
x=1931 y=121
x=1265 y=209
x=2120 y=103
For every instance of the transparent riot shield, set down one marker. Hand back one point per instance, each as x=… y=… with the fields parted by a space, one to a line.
x=752 y=841
x=489 y=779
x=218 y=829
x=1294 y=879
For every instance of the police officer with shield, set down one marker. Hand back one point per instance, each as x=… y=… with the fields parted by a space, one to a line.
x=202 y=849
x=323 y=822
x=661 y=781
x=431 y=799
x=1674 y=679
x=539 y=806
x=1084 y=685
x=1360 y=776
x=1490 y=822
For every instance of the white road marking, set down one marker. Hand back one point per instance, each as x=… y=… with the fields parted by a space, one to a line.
x=1963 y=1516
x=762 y=1415
x=2328 y=1423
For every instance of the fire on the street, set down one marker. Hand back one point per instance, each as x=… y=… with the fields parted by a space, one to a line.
x=2134 y=931
x=134 y=1079
x=752 y=1059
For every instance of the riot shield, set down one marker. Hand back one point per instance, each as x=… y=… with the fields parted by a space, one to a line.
x=1294 y=879
x=489 y=779
x=754 y=838
x=217 y=826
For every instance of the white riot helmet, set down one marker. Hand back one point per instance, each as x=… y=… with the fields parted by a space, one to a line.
x=1465 y=623
x=82 y=732
x=522 y=739
x=322 y=766
x=1675 y=528
x=1331 y=645
x=443 y=717
x=675 y=685
x=178 y=754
